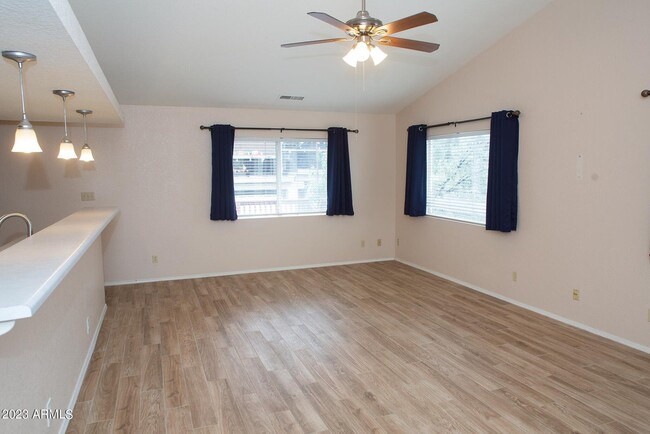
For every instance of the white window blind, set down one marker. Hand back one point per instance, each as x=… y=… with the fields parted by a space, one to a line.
x=457 y=168
x=280 y=177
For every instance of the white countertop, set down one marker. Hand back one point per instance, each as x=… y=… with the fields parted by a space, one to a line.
x=31 y=269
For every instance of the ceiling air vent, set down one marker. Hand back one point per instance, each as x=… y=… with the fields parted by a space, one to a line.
x=292 y=97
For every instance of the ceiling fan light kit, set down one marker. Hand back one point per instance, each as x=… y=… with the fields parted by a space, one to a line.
x=367 y=32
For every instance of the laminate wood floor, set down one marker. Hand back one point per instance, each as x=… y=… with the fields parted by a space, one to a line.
x=378 y=347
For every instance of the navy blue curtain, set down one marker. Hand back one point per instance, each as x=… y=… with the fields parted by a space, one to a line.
x=501 y=207
x=415 y=199
x=223 y=188
x=339 y=184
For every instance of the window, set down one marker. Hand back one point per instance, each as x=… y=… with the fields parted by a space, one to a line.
x=279 y=177
x=457 y=168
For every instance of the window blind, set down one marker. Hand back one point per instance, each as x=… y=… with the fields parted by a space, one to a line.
x=457 y=168
x=280 y=177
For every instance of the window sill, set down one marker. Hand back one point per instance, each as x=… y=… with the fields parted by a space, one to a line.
x=253 y=217
x=480 y=225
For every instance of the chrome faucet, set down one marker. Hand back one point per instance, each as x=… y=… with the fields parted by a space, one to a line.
x=21 y=216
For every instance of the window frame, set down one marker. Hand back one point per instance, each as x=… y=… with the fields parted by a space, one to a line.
x=279 y=168
x=450 y=135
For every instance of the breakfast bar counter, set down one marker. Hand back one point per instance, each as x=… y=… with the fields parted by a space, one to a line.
x=31 y=269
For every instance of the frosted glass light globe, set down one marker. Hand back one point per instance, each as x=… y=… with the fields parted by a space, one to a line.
x=86 y=154
x=377 y=55
x=66 y=151
x=362 y=51
x=26 y=141
x=351 y=58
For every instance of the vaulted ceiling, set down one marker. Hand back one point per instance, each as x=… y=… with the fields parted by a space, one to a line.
x=218 y=53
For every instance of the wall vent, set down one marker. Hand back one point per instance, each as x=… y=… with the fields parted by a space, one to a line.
x=292 y=97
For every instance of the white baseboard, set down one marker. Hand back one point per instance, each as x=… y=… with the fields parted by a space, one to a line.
x=231 y=273
x=84 y=368
x=570 y=322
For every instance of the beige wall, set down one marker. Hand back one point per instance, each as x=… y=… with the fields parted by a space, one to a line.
x=50 y=365
x=157 y=171
x=576 y=71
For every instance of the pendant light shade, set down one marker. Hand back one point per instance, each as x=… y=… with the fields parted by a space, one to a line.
x=25 y=140
x=66 y=149
x=86 y=152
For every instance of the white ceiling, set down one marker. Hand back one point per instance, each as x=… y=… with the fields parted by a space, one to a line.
x=218 y=53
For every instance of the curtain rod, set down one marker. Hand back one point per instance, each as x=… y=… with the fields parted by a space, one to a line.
x=510 y=114
x=203 y=127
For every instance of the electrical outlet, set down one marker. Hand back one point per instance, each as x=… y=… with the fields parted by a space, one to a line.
x=576 y=294
x=378 y=242
x=87 y=196
x=397 y=243
x=648 y=315
x=514 y=276
x=87 y=325
x=363 y=243
x=154 y=259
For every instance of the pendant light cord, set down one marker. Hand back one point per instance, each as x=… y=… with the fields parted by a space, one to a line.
x=65 y=119
x=85 y=131
x=22 y=89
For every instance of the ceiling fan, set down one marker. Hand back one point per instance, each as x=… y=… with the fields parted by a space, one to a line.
x=367 y=31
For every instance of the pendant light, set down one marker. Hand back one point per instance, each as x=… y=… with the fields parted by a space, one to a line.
x=66 y=149
x=25 y=140
x=86 y=152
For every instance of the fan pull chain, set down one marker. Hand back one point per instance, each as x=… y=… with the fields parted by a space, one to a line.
x=356 y=98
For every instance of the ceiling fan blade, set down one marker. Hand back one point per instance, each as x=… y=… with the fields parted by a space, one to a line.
x=411 y=44
x=331 y=20
x=416 y=20
x=319 y=41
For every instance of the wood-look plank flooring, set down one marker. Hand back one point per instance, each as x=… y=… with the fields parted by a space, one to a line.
x=378 y=347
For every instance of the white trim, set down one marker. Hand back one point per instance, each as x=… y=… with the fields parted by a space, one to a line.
x=230 y=273
x=84 y=368
x=273 y=216
x=556 y=317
